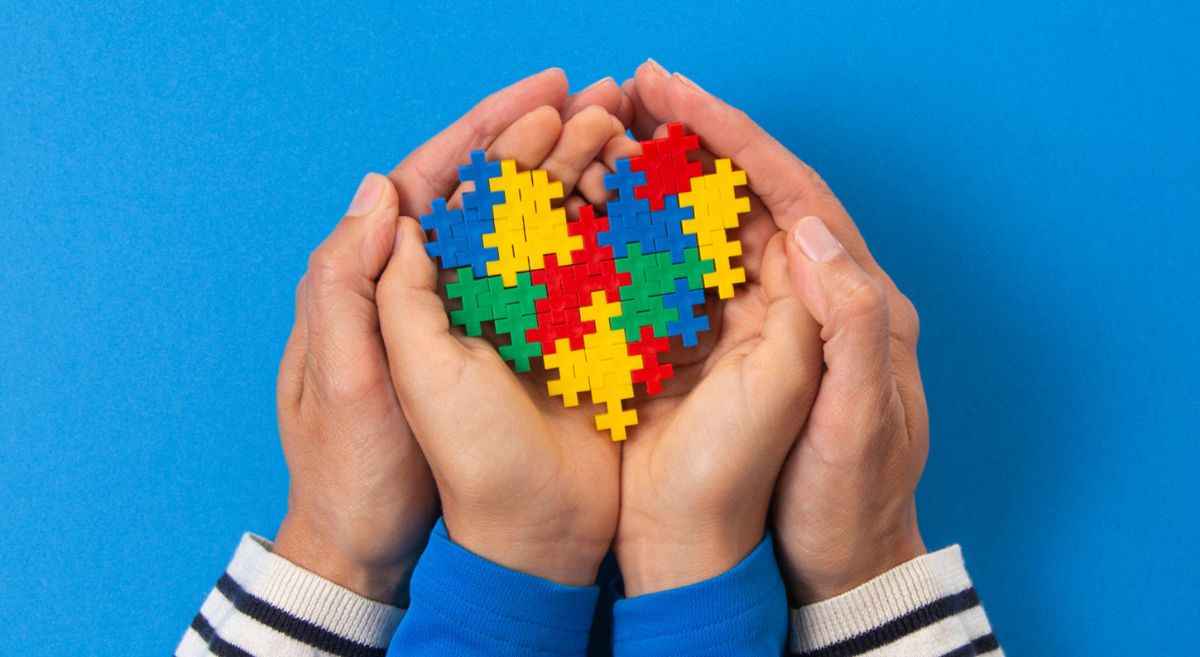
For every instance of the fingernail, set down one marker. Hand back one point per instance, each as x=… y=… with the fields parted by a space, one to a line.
x=687 y=81
x=815 y=240
x=367 y=196
x=657 y=68
x=599 y=82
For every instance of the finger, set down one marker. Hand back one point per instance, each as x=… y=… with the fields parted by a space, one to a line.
x=649 y=83
x=788 y=324
x=413 y=320
x=431 y=171
x=591 y=184
x=625 y=111
x=788 y=187
x=603 y=92
x=582 y=139
x=852 y=308
x=343 y=322
x=788 y=357
x=290 y=384
x=791 y=190
x=643 y=124
x=527 y=141
x=619 y=147
x=591 y=181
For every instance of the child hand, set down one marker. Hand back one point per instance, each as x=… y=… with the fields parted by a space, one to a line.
x=524 y=482
x=697 y=477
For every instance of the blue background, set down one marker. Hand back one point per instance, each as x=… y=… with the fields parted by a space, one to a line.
x=1027 y=173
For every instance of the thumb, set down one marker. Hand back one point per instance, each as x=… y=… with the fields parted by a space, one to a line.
x=339 y=304
x=791 y=345
x=851 y=307
x=416 y=329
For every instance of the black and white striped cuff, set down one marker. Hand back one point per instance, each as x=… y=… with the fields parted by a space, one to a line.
x=926 y=607
x=264 y=605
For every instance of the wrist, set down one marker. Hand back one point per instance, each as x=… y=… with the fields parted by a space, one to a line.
x=813 y=579
x=653 y=561
x=383 y=580
x=563 y=557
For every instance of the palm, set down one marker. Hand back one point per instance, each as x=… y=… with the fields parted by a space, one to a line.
x=551 y=457
x=733 y=409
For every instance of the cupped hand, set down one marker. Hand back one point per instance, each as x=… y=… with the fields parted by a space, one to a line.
x=698 y=473
x=361 y=499
x=523 y=481
x=844 y=505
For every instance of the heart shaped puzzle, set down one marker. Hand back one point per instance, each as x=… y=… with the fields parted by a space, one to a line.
x=598 y=298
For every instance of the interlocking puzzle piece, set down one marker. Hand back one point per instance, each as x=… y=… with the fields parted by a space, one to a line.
x=468 y=239
x=716 y=207
x=725 y=275
x=604 y=367
x=616 y=419
x=658 y=272
x=687 y=324
x=519 y=349
x=445 y=246
x=528 y=226
x=642 y=301
x=513 y=309
x=480 y=198
x=665 y=162
x=609 y=367
x=571 y=380
x=476 y=307
x=651 y=373
x=671 y=217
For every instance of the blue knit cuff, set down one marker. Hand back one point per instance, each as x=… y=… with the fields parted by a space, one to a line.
x=464 y=604
x=740 y=612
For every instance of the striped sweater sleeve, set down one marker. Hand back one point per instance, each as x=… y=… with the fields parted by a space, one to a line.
x=266 y=606
x=926 y=607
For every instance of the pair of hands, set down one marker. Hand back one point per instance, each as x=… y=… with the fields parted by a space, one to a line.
x=808 y=379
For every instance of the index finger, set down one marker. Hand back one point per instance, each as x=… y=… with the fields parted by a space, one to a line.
x=431 y=171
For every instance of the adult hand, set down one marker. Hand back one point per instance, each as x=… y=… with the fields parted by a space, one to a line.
x=361 y=499
x=524 y=482
x=844 y=507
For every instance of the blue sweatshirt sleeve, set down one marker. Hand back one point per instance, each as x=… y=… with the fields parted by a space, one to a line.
x=741 y=612
x=462 y=604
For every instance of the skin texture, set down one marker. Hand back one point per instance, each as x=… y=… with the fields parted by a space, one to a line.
x=844 y=503
x=361 y=498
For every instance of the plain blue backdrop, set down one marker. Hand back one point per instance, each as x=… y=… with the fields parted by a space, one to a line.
x=1028 y=174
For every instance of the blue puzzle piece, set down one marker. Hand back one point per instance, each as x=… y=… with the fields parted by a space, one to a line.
x=629 y=222
x=624 y=179
x=472 y=251
x=671 y=218
x=445 y=223
x=480 y=172
x=684 y=299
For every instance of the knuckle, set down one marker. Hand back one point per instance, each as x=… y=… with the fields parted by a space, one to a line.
x=344 y=385
x=347 y=387
x=906 y=320
x=325 y=266
x=861 y=296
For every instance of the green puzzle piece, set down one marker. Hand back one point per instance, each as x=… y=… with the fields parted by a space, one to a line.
x=486 y=299
x=651 y=277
